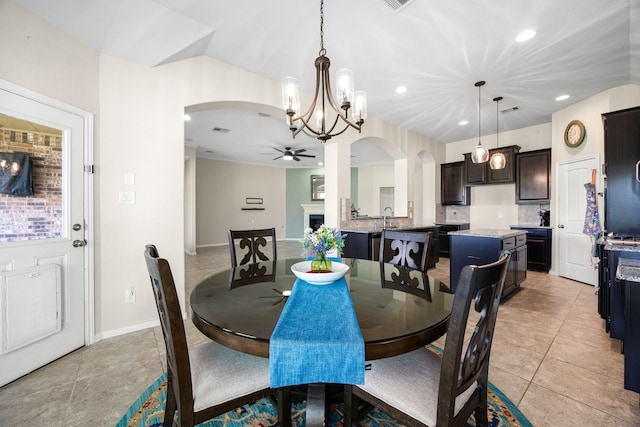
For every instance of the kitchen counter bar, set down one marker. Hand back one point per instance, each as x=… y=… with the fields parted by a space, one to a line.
x=378 y=230
x=483 y=246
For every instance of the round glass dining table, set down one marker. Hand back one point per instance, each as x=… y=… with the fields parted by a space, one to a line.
x=397 y=310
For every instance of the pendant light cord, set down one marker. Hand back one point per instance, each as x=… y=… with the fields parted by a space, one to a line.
x=497 y=99
x=479 y=90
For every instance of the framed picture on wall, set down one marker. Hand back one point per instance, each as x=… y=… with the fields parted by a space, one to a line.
x=317 y=187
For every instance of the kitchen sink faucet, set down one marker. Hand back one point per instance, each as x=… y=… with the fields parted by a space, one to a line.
x=384 y=216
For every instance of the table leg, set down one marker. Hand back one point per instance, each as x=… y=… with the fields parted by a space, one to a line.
x=316 y=405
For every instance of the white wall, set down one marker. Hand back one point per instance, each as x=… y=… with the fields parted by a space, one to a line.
x=370 y=179
x=221 y=190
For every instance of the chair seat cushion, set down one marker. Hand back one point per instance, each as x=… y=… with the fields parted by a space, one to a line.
x=409 y=383
x=220 y=374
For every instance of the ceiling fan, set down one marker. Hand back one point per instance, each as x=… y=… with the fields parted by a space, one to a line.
x=287 y=154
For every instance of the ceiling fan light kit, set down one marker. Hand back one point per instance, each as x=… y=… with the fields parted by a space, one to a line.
x=327 y=116
x=480 y=154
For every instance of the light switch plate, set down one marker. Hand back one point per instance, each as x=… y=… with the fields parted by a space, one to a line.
x=126 y=197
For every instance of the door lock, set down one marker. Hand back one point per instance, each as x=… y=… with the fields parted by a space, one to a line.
x=561 y=226
x=79 y=243
x=76 y=227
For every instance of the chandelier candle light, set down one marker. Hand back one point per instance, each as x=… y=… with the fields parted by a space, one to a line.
x=316 y=244
x=324 y=114
x=480 y=154
x=497 y=161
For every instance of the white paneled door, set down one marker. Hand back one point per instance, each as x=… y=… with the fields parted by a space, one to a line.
x=575 y=249
x=44 y=284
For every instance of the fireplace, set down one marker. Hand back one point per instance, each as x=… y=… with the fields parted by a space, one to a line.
x=315 y=221
x=315 y=210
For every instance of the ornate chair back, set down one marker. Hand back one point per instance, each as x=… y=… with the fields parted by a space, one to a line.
x=253 y=243
x=405 y=248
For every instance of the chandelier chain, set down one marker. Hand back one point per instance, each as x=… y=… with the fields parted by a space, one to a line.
x=323 y=51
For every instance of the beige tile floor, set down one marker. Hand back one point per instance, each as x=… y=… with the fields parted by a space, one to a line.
x=550 y=356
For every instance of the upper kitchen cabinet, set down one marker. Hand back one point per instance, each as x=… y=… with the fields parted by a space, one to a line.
x=622 y=171
x=481 y=173
x=452 y=186
x=533 y=172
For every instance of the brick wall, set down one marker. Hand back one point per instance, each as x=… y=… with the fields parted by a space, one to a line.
x=38 y=216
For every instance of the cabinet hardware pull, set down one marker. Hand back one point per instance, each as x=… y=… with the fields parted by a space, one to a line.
x=638 y=171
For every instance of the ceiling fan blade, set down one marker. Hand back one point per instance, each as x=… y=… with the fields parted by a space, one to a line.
x=279 y=150
x=296 y=158
x=306 y=155
x=276 y=158
x=302 y=150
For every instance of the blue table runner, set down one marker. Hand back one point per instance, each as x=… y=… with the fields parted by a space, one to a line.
x=317 y=338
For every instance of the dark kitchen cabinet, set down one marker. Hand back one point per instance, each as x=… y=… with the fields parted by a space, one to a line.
x=444 y=229
x=481 y=173
x=538 y=247
x=482 y=249
x=366 y=245
x=452 y=186
x=611 y=299
x=533 y=173
x=622 y=177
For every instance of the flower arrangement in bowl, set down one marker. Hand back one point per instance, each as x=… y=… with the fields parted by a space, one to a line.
x=317 y=243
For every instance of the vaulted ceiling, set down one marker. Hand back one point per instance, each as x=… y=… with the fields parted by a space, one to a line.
x=437 y=49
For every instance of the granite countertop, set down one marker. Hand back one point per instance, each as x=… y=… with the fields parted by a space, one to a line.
x=610 y=246
x=370 y=229
x=488 y=232
x=628 y=270
x=451 y=223
x=545 y=227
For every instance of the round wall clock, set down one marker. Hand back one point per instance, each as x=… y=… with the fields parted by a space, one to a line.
x=574 y=133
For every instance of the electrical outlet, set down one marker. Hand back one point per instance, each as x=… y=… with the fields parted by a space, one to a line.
x=130 y=294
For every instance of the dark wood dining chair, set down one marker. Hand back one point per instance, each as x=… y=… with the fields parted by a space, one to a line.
x=210 y=379
x=405 y=248
x=422 y=388
x=253 y=242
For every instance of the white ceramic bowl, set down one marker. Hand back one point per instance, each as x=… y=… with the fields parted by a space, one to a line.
x=301 y=270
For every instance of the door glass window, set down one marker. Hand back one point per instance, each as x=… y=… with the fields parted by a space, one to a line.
x=31 y=196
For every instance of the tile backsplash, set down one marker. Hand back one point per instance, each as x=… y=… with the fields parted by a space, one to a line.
x=457 y=213
x=528 y=214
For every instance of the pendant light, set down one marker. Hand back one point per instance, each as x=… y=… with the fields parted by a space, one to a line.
x=480 y=154
x=498 y=161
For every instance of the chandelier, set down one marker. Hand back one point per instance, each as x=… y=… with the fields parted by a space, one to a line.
x=327 y=116
x=480 y=154
x=497 y=161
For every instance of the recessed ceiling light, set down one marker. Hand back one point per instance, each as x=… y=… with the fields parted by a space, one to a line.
x=526 y=35
x=562 y=97
x=463 y=122
x=401 y=89
x=186 y=117
x=320 y=163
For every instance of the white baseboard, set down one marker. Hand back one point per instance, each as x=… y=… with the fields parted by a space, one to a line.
x=133 y=328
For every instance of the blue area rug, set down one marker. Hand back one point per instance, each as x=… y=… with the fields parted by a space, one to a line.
x=148 y=411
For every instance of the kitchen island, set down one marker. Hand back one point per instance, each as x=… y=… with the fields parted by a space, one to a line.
x=364 y=242
x=483 y=246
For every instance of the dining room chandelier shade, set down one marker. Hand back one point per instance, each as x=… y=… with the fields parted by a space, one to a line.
x=497 y=160
x=479 y=154
x=327 y=116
